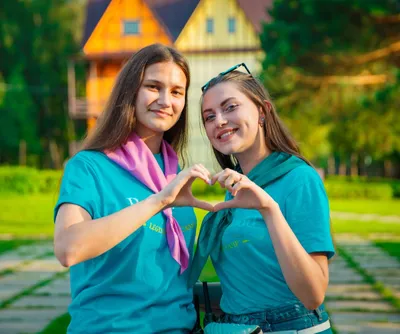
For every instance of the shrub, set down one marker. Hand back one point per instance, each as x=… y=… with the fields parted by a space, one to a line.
x=26 y=180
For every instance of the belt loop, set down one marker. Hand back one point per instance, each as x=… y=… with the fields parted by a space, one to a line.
x=318 y=313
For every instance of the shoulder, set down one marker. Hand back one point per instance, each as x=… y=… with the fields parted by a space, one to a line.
x=303 y=176
x=88 y=158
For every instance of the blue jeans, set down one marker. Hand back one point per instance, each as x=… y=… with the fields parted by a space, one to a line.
x=289 y=317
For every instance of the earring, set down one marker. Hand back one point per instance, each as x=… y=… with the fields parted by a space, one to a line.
x=262 y=121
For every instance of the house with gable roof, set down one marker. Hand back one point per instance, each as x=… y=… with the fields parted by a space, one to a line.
x=213 y=35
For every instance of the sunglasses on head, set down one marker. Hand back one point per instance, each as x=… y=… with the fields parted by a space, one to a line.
x=224 y=73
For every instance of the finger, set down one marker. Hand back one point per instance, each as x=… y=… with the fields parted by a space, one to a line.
x=223 y=177
x=203 y=205
x=205 y=170
x=232 y=180
x=239 y=186
x=189 y=176
x=225 y=205
x=200 y=168
x=218 y=175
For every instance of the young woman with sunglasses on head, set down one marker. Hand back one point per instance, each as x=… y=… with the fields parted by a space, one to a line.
x=270 y=239
x=124 y=222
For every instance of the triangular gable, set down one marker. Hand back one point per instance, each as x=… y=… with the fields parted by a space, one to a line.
x=208 y=28
x=107 y=36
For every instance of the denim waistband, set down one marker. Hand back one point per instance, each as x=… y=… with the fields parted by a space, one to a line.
x=273 y=315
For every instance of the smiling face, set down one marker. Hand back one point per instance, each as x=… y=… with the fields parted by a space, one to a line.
x=231 y=120
x=160 y=99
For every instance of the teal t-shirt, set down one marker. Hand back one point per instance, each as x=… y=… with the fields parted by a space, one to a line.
x=250 y=275
x=135 y=287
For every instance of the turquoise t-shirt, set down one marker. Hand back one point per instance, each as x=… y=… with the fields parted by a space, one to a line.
x=250 y=275
x=135 y=287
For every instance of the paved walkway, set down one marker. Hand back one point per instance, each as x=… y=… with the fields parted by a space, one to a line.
x=34 y=288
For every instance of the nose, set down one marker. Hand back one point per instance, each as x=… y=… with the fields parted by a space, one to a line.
x=220 y=119
x=164 y=99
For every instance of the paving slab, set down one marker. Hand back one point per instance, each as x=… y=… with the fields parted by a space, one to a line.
x=57 y=287
x=42 y=302
x=377 y=306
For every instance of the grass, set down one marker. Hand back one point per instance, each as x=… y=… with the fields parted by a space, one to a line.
x=365 y=228
x=384 y=208
x=7 y=245
x=29 y=215
x=58 y=325
x=391 y=247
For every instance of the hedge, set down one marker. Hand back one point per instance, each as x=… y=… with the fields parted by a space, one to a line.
x=25 y=180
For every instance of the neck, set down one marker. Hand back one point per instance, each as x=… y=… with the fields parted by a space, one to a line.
x=153 y=141
x=253 y=156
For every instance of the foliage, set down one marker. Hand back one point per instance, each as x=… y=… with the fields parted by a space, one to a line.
x=333 y=68
x=37 y=39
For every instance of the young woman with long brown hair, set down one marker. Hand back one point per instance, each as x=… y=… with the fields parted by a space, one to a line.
x=123 y=221
x=270 y=240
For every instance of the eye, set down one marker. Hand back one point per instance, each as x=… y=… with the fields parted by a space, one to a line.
x=152 y=87
x=231 y=107
x=209 y=117
x=177 y=92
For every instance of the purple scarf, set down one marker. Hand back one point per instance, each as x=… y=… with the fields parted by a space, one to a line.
x=136 y=158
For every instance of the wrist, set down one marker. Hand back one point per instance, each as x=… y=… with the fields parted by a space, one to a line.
x=159 y=201
x=269 y=210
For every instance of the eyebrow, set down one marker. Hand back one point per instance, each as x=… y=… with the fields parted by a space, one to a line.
x=161 y=83
x=221 y=104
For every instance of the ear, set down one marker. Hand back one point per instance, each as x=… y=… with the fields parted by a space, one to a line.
x=268 y=105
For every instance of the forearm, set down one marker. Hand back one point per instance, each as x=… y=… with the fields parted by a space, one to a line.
x=89 y=239
x=302 y=273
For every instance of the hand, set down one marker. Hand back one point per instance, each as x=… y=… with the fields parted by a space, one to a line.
x=246 y=193
x=179 y=191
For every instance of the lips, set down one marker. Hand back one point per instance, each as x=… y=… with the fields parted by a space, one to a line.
x=161 y=113
x=226 y=133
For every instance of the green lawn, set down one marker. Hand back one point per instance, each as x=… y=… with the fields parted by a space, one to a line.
x=29 y=215
x=385 y=208
x=365 y=227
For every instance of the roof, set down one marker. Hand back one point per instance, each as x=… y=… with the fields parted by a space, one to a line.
x=94 y=11
x=174 y=14
x=256 y=11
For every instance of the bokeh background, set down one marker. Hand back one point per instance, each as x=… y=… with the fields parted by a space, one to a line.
x=332 y=68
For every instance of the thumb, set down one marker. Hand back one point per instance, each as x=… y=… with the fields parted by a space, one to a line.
x=203 y=205
x=224 y=205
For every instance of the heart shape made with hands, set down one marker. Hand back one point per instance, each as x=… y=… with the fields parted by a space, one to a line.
x=244 y=192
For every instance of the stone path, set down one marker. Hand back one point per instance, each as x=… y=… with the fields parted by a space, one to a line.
x=34 y=288
x=353 y=303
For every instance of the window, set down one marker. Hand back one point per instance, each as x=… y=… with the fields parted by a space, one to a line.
x=231 y=25
x=210 y=26
x=132 y=27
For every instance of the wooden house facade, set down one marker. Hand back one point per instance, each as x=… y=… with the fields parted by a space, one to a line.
x=213 y=35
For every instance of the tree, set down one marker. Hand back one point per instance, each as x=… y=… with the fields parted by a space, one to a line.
x=335 y=65
x=37 y=37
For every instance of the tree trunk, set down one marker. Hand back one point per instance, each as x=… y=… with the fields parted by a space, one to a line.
x=354 y=166
x=22 y=153
x=54 y=154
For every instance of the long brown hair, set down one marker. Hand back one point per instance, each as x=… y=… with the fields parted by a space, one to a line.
x=118 y=120
x=277 y=136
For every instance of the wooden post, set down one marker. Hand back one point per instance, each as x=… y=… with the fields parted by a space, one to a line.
x=71 y=88
x=22 y=153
